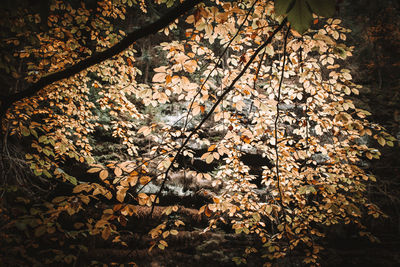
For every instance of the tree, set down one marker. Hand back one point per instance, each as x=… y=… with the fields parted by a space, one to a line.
x=244 y=80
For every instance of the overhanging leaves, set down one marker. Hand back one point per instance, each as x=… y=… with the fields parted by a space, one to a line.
x=283 y=6
x=324 y=8
x=300 y=12
x=300 y=16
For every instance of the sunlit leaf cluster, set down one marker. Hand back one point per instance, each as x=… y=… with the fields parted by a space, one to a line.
x=289 y=103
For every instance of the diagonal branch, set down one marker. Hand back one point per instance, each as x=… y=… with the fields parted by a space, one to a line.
x=218 y=62
x=278 y=99
x=211 y=111
x=99 y=57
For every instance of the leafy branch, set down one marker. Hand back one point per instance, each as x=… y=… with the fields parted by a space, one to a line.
x=211 y=111
x=152 y=28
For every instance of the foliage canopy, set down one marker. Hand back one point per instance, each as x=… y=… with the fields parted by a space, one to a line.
x=240 y=77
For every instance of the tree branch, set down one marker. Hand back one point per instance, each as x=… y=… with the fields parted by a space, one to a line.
x=222 y=96
x=99 y=57
x=278 y=99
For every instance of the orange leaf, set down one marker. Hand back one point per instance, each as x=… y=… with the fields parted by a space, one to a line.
x=207 y=212
x=168 y=79
x=93 y=170
x=211 y=148
x=121 y=194
x=245 y=139
x=145 y=180
x=103 y=174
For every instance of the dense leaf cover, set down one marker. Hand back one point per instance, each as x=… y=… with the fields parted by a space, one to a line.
x=243 y=77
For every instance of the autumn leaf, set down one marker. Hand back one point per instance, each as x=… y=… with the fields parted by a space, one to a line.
x=105 y=234
x=117 y=171
x=121 y=193
x=144 y=180
x=103 y=174
x=94 y=170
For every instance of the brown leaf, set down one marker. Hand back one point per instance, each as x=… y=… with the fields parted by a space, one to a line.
x=105 y=234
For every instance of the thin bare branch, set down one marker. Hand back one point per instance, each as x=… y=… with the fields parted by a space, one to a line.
x=211 y=111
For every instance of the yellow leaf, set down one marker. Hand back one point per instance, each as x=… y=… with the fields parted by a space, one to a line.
x=179 y=222
x=167 y=210
x=165 y=244
x=381 y=141
x=165 y=234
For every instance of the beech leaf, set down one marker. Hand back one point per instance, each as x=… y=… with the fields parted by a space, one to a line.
x=300 y=16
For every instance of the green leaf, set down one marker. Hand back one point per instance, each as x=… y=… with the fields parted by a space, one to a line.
x=170 y=3
x=324 y=8
x=283 y=6
x=300 y=16
x=71 y=179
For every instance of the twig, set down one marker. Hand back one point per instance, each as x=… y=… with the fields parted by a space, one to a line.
x=208 y=115
x=277 y=118
x=170 y=16
x=216 y=64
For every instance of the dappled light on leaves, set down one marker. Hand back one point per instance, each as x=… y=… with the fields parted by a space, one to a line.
x=232 y=78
